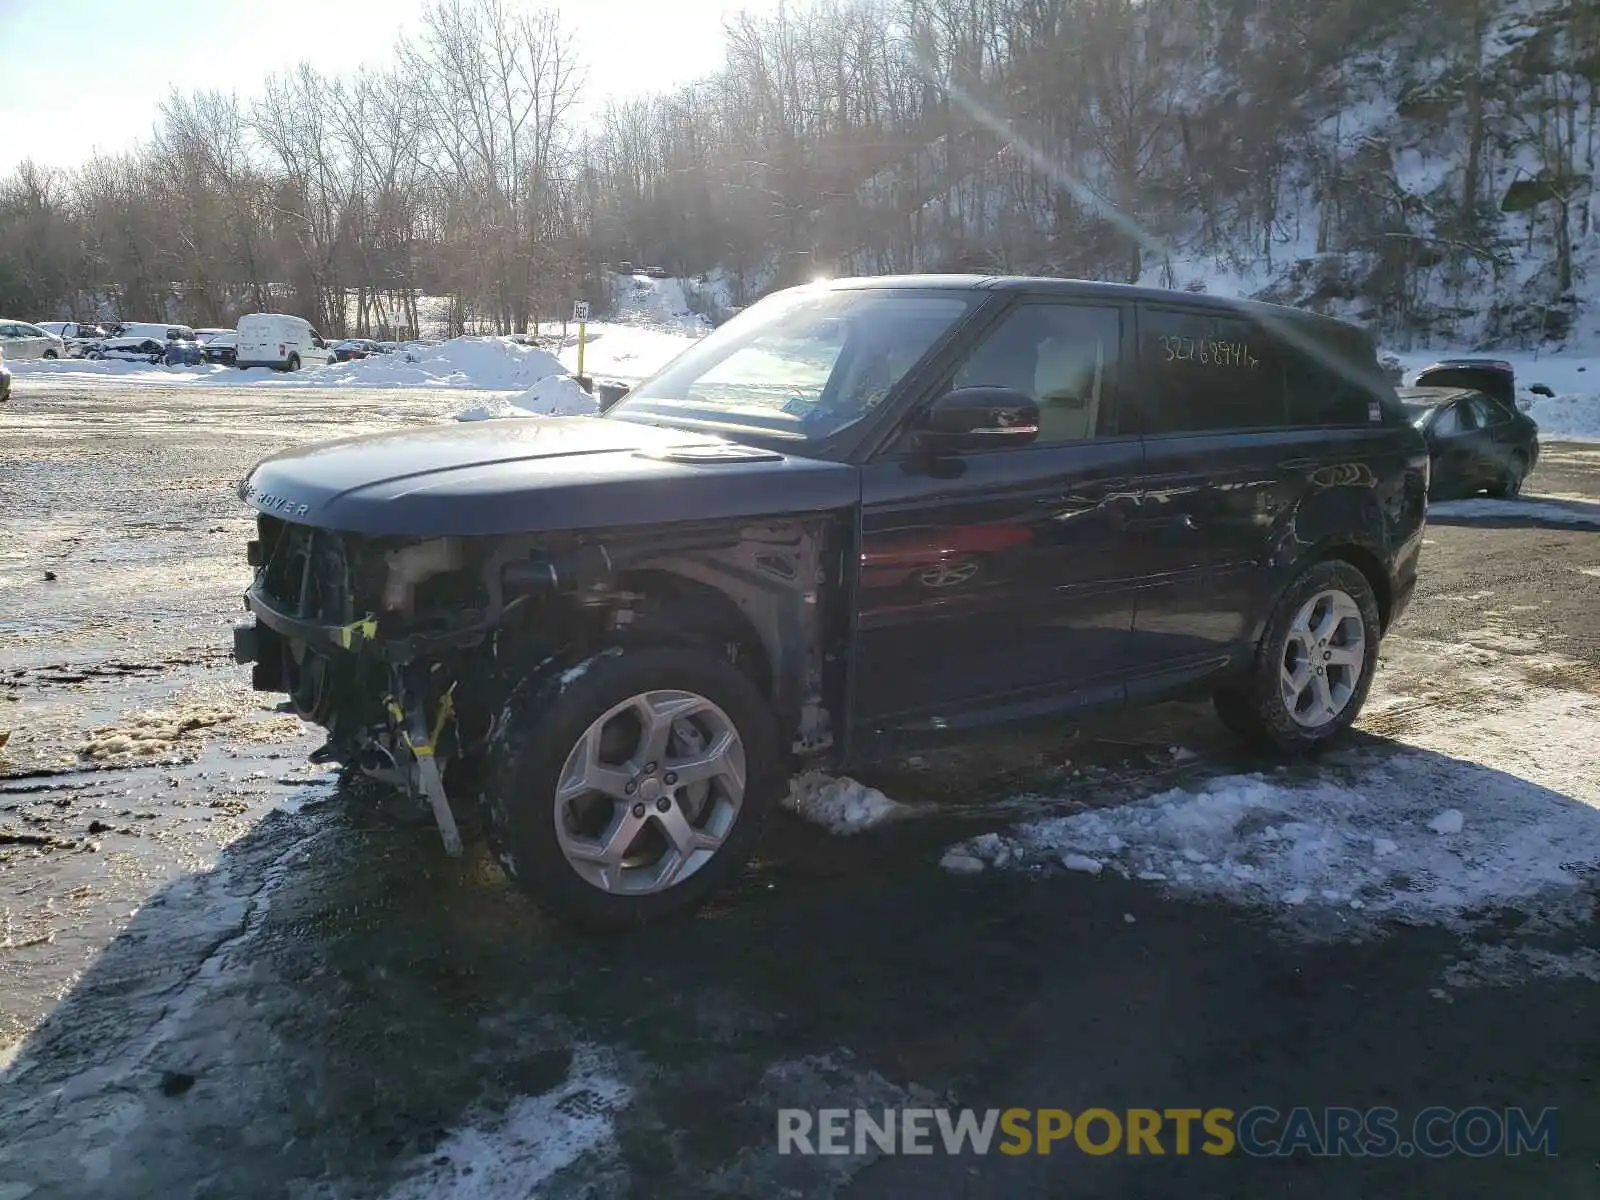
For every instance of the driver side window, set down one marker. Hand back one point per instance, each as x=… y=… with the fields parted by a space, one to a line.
x=1064 y=357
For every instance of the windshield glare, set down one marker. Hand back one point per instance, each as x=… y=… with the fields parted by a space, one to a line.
x=803 y=364
x=1418 y=414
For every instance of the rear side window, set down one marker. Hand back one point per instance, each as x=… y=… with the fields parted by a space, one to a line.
x=1208 y=371
x=1323 y=392
x=1487 y=411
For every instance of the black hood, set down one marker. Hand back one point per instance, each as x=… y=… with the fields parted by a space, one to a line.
x=533 y=475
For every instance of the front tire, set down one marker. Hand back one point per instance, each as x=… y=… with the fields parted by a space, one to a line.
x=634 y=790
x=1313 y=667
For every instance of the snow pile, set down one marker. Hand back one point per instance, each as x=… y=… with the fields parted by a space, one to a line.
x=841 y=805
x=1382 y=843
x=491 y=363
x=495 y=408
x=557 y=396
x=552 y=396
x=539 y=1136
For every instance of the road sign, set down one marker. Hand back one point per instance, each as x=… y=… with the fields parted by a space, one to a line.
x=580 y=311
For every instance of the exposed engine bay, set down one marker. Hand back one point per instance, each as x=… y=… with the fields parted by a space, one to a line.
x=405 y=650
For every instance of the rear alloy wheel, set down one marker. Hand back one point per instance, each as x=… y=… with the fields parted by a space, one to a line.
x=1509 y=485
x=293 y=364
x=1313 y=666
x=635 y=791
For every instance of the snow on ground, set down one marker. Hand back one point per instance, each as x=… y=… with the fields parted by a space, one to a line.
x=537 y=1137
x=489 y=363
x=652 y=324
x=628 y=353
x=1465 y=816
x=657 y=304
x=1546 y=510
x=842 y=805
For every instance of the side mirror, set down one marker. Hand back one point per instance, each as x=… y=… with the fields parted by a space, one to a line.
x=977 y=418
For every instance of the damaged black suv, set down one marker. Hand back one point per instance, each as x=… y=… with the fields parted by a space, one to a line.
x=859 y=516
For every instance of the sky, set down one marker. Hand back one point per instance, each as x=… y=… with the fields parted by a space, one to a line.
x=80 y=76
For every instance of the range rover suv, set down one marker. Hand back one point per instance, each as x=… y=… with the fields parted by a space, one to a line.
x=860 y=516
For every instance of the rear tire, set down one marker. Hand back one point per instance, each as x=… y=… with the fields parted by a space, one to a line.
x=1313 y=666
x=50 y=354
x=647 y=848
x=1509 y=485
x=293 y=364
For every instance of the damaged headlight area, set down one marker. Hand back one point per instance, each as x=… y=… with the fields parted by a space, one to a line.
x=406 y=650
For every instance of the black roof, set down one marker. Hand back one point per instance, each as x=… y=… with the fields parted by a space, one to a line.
x=1097 y=289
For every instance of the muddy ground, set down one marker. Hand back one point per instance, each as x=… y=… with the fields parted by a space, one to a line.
x=221 y=975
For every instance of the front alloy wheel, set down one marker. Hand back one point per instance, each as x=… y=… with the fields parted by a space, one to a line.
x=632 y=786
x=650 y=792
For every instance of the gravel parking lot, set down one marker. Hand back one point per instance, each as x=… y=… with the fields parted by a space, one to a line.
x=225 y=973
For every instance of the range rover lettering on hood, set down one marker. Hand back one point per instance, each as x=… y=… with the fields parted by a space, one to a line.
x=268 y=502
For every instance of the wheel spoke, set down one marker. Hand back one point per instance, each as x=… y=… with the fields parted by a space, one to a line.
x=1324 y=695
x=714 y=761
x=682 y=836
x=1294 y=682
x=1338 y=610
x=1345 y=656
x=592 y=775
x=657 y=714
x=611 y=847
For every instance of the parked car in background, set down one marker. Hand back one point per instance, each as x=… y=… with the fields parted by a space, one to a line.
x=1476 y=442
x=184 y=352
x=77 y=335
x=355 y=348
x=5 y=379
x=865 y=516
x=281 y=342
x=20 y=341
x=131 y=349
x=154 y=329
x=221 y=346
x=658 y=273
x=1492 y=376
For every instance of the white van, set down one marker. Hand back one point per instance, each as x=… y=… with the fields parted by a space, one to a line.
x=282 y=342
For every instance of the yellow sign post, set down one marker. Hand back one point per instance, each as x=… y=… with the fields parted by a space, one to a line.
x=580 y=314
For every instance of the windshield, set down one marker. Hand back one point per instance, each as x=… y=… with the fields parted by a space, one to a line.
x=803 y=364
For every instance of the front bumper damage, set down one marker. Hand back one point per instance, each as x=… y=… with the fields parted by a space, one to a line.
x=416 y=713
x=261 y=642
